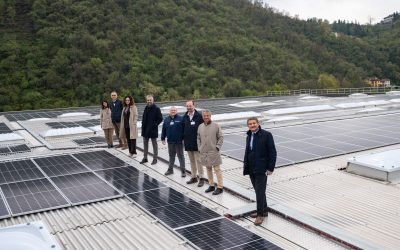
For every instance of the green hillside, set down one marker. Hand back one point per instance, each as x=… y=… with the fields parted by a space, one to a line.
x=57 y=53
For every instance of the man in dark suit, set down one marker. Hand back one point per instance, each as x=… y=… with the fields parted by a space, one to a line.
x=191 y=122
x=116 y=111
x=259 y=162
x=152 y=117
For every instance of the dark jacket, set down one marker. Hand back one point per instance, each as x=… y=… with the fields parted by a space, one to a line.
x=190 y=130
x=264 y=153
x=152 y=117
x=116 y=111
x=173 y=130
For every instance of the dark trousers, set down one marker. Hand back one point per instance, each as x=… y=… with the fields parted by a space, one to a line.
x=259 y=182
x=131 y=142
x=173 y=150
x=146 y=147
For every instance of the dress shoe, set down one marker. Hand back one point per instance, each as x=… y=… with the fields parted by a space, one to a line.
x=254 y=215
x=183 y=174
x=144 y=161
x=154 y=162
x=210 y=189
x=218 y=191
x=259 y=220
x=191 y=181
x=201 y=183
x=169 y=172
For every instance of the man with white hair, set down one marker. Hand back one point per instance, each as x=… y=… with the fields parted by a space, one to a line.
x=152 y=117
x=209 y=140
x=173 y=130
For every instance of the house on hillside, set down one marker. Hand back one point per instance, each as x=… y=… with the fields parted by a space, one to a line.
x=376 y=82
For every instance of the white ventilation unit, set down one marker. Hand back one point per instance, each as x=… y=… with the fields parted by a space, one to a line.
x=11 y=138
x=298 y=110
x=65 y=132
x=74 y=114
x=251 y=103
x=30 y=236
x=383 y=166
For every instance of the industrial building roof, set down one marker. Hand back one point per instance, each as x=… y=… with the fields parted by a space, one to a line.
x=315 y=202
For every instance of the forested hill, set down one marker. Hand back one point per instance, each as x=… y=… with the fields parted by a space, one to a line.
x=57 y=53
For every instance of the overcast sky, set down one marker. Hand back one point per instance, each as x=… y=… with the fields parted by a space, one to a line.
x=349 y=10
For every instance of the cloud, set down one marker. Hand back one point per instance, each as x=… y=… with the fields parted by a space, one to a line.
x=350 y=10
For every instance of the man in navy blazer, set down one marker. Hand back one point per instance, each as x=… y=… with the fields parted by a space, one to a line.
x=116 y=111
x=259 y=162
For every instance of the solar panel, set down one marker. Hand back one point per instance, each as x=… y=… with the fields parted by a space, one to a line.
x=158 y=198
x=89 y=123
x=84 y=187
x=4 y=129
x=5 y=150
x=60 y=165
x=132 y=185
x=90 y=141
x=307 y=142
x=32 y=196
x=14 y=171
x=98 y=160
x=84 y=141
x=3 y=210
x=14 y=149
x=224 y=234
x=19 y=148
x=182 y=214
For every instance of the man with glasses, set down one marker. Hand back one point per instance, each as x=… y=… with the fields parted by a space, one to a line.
x=116 y=111
x=152 y=117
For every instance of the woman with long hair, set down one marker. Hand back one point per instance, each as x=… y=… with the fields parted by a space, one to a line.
x=106 y=123
x=128 y=128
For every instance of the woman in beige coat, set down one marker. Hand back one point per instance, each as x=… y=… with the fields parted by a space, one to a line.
x=128 y=128
x=106 y=123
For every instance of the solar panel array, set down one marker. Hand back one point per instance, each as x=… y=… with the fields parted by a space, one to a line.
x=94 y=140
x=224 y=234
x=46 y=183
x=4 y=129
x=27 y=115
x=325 y=139
x=14 y=149
x=84 y=123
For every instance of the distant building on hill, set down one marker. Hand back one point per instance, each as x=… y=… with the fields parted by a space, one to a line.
x=376 y=82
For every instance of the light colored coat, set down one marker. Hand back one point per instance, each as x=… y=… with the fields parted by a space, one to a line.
x=209 y=141
x=132 y=123
x=105 y=119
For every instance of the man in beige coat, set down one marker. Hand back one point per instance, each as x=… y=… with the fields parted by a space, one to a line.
x=209 y=141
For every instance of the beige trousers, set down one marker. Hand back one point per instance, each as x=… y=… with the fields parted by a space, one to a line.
x=122 y=141
x=218 y=173
x=195 y=165
x=108 y=134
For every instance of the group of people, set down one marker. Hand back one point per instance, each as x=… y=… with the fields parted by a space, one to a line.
x=195 y=133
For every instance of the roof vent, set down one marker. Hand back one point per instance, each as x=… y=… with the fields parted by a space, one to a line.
x=74 y=114
x=251 y=103
x=30 y=236
x=383 y=166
